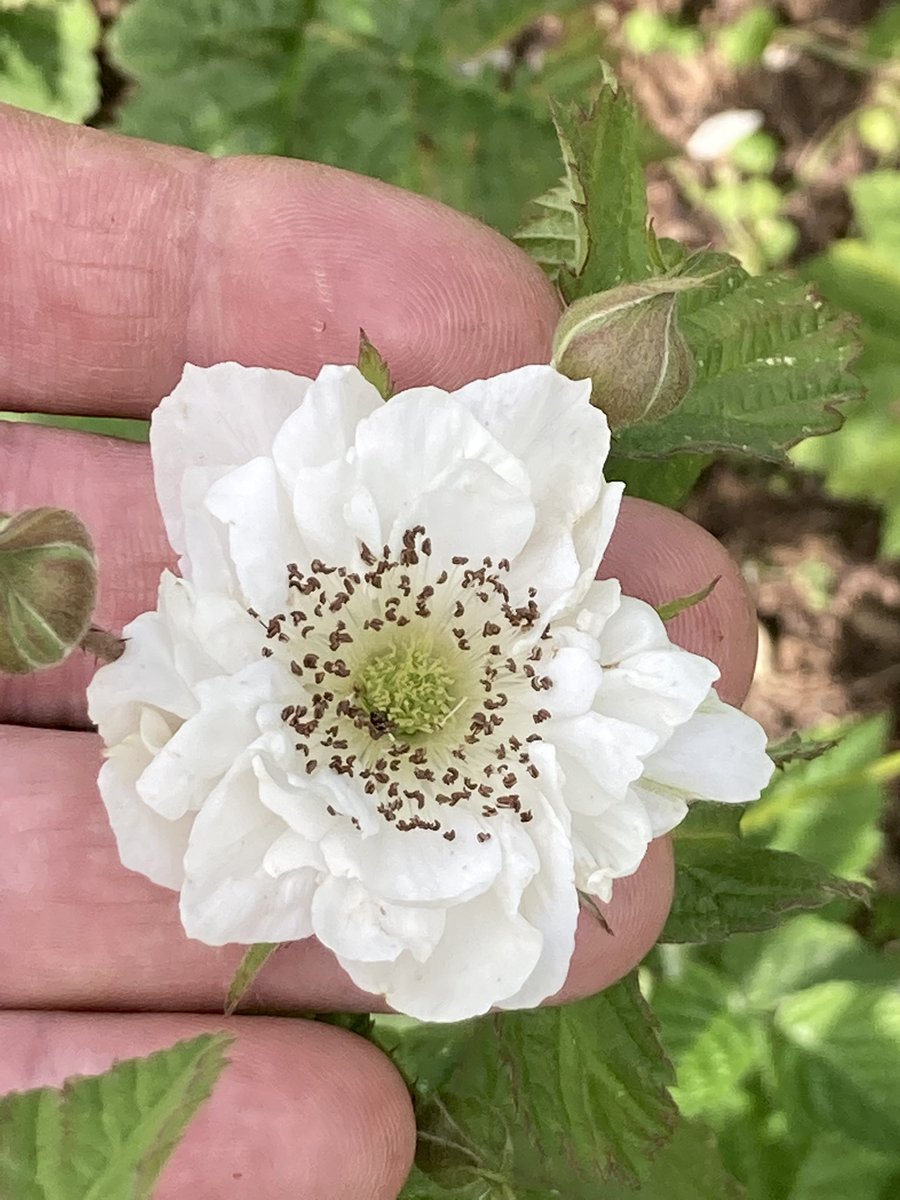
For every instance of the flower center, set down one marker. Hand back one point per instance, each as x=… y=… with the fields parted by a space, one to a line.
x=409 y=689
x=419 y=681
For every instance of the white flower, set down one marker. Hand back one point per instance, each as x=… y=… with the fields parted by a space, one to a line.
x=388 y=704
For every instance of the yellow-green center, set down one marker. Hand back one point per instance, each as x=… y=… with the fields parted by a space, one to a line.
x=408 y=689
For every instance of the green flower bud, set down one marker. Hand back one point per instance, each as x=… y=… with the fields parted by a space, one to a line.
x=48 y=587
x=627 y=342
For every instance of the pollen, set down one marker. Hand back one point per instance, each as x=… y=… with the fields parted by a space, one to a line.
x=412 y=685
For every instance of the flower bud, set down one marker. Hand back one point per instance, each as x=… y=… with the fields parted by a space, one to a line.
x=48 y=586
x=627 y=342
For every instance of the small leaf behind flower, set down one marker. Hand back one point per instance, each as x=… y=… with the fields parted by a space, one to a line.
x=673 y=607
x=373 y=368
x=106 y=1137
x=250 y=966
x=796 y=748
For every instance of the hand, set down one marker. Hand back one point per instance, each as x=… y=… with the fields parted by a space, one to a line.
x=122 y=261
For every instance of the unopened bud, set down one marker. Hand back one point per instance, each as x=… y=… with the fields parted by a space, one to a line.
x=48 y=587
x=627 y=342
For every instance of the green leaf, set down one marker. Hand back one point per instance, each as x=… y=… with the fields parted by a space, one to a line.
x=373 y=368
x=368 y=87
x=797 y=748
x=836 y=1059
x=255 y=958
x=862 y=275
x=690 y=1167
x=828 y=810
x=672 y=608
x=128 y=429
x=724 y=885
x=714 y=1043
x=668 y=482
x=47 y=61
x=106 y=1137
x=540 y=1103
x=553 y=233
x=802 y=952
x=771 y=365
x=837 y=1168
x=607 y=180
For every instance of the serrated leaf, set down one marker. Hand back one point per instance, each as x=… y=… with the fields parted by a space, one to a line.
x=367 y=87
x=690 y=1167
x=672 y=608
x=47 y=61
x=255 y=958
x=609 y=194
x=772 y=366
x=106 y=1137
x=373 y=368
x=543 y=1102
x=724 y=885
x=836 y=1059
x=797 y=748
x=552 y=233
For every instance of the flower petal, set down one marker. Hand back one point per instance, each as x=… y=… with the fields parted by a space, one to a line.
x=416 y=867
x=216 y=417
x=483 y=956
x=720 y=754
x=349 y=921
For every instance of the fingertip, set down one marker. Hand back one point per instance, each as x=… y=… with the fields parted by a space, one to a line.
x=659 y=555
x=635 y=915
x=293 y=258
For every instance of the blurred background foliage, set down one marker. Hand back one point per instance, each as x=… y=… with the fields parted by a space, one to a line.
x=771 y=131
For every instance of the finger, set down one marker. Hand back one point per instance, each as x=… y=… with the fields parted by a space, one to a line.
x=658 y=555
x=302 y=1109
x=124 y=259
x=81 y=932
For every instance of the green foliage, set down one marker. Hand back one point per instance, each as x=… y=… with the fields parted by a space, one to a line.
x=255 y=958
x=537 y=1104
x=106 y=1137
x=771 y=358
x=47 y=59
x=862 y=274
x=725 y=886
x=130 y=430
x=650 y=32
x=606 y=179
x=771 y=368
x=373 y=367
x=828 y=809
x=743 y=41
x=836 y=1061
x=373 y=87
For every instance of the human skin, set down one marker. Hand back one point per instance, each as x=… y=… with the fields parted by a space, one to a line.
x=122 y=260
